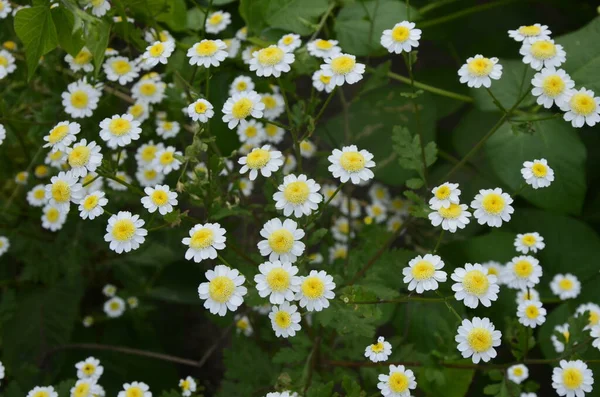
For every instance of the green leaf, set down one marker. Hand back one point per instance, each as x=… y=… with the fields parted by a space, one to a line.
x=36 y=29
x=414 y=183
x=176 y=17
x=69 y=38
x=449 y=382
x=553 y=140
x=96 y=41
x=355 y=31
x=295 y=16
x=583 y=55
x=320 y=390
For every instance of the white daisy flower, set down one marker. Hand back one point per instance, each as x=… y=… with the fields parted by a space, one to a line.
x=338 y=251
x=160 y=198
x=5 y=9
x=473 y=285
x=80 y=99
x=248 y=53
x=528 y=34
x=529 y=242
x=42 y=391
x=241 y=84
x=559 y=345
x=594 y=316
x=537 y=173
x=36 y=197
x=233 y=47
x=403 y=37
x=581 y=107
x=572 y=379
x=135 y=389
x=551 y=86
x=82 y=61
x=124 y=232
x=494 y=268
x=565 y=286
x=89 y=368
x=531 y=313
x=595 y=333
x=454 y=217
x=271 y=61
x=261 y=159
x=379 y=351
x=109 y=290
x=41 y=171
x=492 y=206
x=4 y=246
x=379 y=192
x=477 y=339
x=341 y=230
x=167 y=129
x=120 y=69
x=99 y=7
x=53 y=218
x=398 y=383
x=85 y=388
x=343 y=68
x=423 y=273
x=323 y=48
x=201 y=110
x=56 y=159
x=133 y=302
x=351 y=164
x=289 y=42
x=445 y=195
x=188 y=386
x=207 y=53
x=351 y=208
x=62 y=190
x=377 y=211
x=242 y=33
x=114 y=307
x=322 y=82
x=7 y=63
x=217 y=22
x=165 y=160
x=62 y=135
x=122 y=176
x=298 y=195
x=140 y=111
x=147 y=91
x=315 y=258
x=242 y=325
x=274 y=105
x=282 y=240
x=119 y=131
x=204 y=241
x=523 y=272
x=240 y=106
x=399 y=206
x=328 y=191
x=307 y=148
x=289 y=164
x=223 y=291
x=394 y=223
x=285 y=320
x=245 y=185
x=517 y=373
x=92 y=205
x=84 y=157
x=22 y=177
x=527 y=294
x=158 y=52
x=2 y=134
x=479 y=71
x=278 y=281
x=543 y=52
x=146 y=153
x=251 y=132
x=150 y=36
x=316 y=290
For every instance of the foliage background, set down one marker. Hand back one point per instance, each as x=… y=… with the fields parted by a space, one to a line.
x=49 y=281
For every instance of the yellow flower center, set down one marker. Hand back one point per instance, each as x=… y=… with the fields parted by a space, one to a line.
x=566 y=335
x=476 y=282
x=340 y=253
x=269 y=101
x=313 y=287
x=518 y=371
x=594 y=318
x=423 y=270
x=281 y=241
x=251 y=131
x=221 y=288
x=451 y=212
x=323 y=44
x=400 y=34
x=148 y=89
x=492 y=271
x=306 y=146
x=119 y=126
x=9 y=45
x=287 y=40
x=270 y=56
x=241 y=324
x=97 y=3
x=325 y=79
x=398 y=382
x=553 y=85
x=134 y=391
x=166 y=158
x=582 y=104
x=61 y=191
x=480 y=67
x=41 y=393
x=148 y=153
x=200 y=107
x=136 y=110
x=278 y=280
x=215 y=19
x=89 y=369
x=532 y=312
x=58 y=133
x=202 y=238
x=121 y=67
x=53 y=215
x=162 y=36
x=150 y=174
x=523 y=268
x=3 y=61
x=479 y=339
x=56 y=155
x=531 y=30
x=271 y=129
x=79 y=99
x=242 y=86
x=156 y=50
x=493 y=203
x=565 y=284
x=82 y=390
x=90 y=202
x=296 y=192
x=572 y=378
x=123 y=230
x=83 y=57
x=258 y=158
x=160 y=197
x=343 y=64
x=540 y=171
x=41 y=171
x=377 y=347
x=79 y=156
x=207 y=48
x=352 y=161
x=283 y=319
x=543 y=49
x=242 y=108
x=443 y=193
x=39 y=194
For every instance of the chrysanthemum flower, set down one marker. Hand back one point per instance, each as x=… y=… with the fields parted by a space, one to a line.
x=42 y=391
x=403 y=37
x=165 y=160
x=147 y=91
x=92 y=205
x=517 y=373
x=559 y=345
x=572 y=378
x=341 y=230
x=338 y=251
x=263 y=160
x=445 y=195
x=82 y=61
x=5 y=8
x=274 y=105
x=377 y=210
x=289 y=42
x=53 y=218
x=207 y=53
x=4 y=245
x=217 y=22
x=89 y=368
x=379 y=351
x=581 y=107
x=321 y=82
x=2 y=134
x=477 y=339
x=285 y=320
x=494 y=268
x=119 y=131
x=243 y=325
x=241 y=84
x=124 y=232
x=480 y=71
x=7 y=63
x=120 y=69
x=551 y=86
x=251 y=132
x=523 y=272
x=109 y=290
x=133 y=302
x=84 y=157
x=188 y=386
x=473 y=285
x=594 y=313
x=298 y=195
x=114 y=307
x=271 y=61
x=99 y=8
x=323 y=48
x=278 y=281
x=62 y=135
x=85 y=388
x=160 y=198
x=351 y=164
x=452 y=218
x=540 y=53
x=343 y=68
x=150 y=36
x=528 y=34
x=316 y=290
x=240 y=106
x=36 y=197
x=492 y=206
x=233 y=47
x=201 y=110
x=135 y=389
x=62 y=190
x=204 y=241
x=223 y=291
x=282 y=240
x=158 y=52
x=529 y=242
x=537 y=173
x=527 y=294
x=81 y=99
x=398 y=383
x=565 y=286
x=531 y=313
x=595 y=333
x=167 y=129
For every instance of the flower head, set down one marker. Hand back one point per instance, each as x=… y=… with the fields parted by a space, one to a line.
x=263 y=160
x=207 y=53
x=398 y=383
x=492 y=206
x=298 y=195
x=323 y=48
x=217 y=22
x=240 y=106
x=480 y=71
x=551 y=86
x=89 y=368
x=204 y=241
x=92 y=205
x=477 y=339
x=572 y=378
x=456 y=216
x=531 y=313
x=528 y=34
x=403 y=37
x=135 y=389
x=517 y=373
x=537 y=173
x=523 y=272
x=271 y=61
x=282 y=240
x=565 y=286
x=543 y=52
x=351 y=164
x=424 y=273
x=379 y=351
x=119 y=130
x=474 y=284
x=343 y=68
x=445 y=195
x=223 y=291
x=124 y=232
x=285 y=320
x=581 y=107
x=278 y=281
x=121 y=69
x=114 y=307
x=160 y=198
x=316 y=290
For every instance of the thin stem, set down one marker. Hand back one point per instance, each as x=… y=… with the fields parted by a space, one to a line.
x=129 y=186
x=463 y=13
x=325 y=104
x=449 y=306
x=429 y=88
x=432 y=6
x=223 y=260
x=437 y=245
x=495 y=100
x=554 y=116
x=206 y=18
x=403 y=299
x=322 y=22
x=315 y=215
x=277 y=123
x=90 y=182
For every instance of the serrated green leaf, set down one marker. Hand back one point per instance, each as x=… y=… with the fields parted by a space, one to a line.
x=96 y=41
x=69 y=38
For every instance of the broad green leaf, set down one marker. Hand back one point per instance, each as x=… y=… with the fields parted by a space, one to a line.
x=451 y=383
x=553 y=140
x=583 y=55
x=176 y=17
x=36 y=29
x=253 y=11
x=296 y=16
x=69 y=38
x=359 y=25
x=96 y=41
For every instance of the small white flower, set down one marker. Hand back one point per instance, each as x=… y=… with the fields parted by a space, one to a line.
x=36 y=197
x=529 y=242
x=278 y=281
x=595 y=333
x=137 y=389
x=341 y=230
x=158 y=52
x=133 y=302
x=42 y=391
x=147 y=91
x=114 y=307
x=424 y=273
x=445 y=195
x=543 y=52
x=274 y=105
x=99 y=7
x=243 y=325
x=201 y=110
x=338 y=251
x=379 y=192
x=289 y=164
x=572 y=378
x=394 y=223
x=4 y=246
x=527 y=294
x=379 y=351
x=119 y=131
x=241 y=84
x=452 y=218
x=245 y=185
x=82 y=61
x=581 y=107
x=217 y=22
x=565 y=286
x=85 y=388
x=473 y=285
x=271 y=61
x=477 y=339
x=84 y=157
x=122 y=176
x=323 y=48
x=146 y=153
x=282 y=240
x=298 y=195
x=81 y=99
x=53 y=218
x=316 y=290
x=285 y=320
x=167 y=129
x=150 y=36
x=62 y=190
x=492 y=206
x=343 y=68
x=159 y=198
x=120 y=69
x=327 y=191
x=377 y=211
x=223 y=291
x=523 y=272
x=494 y=268
x=263 y=160
x=351 y=207
x=92 y=205
x=351 y=164
x=594 y=316
x=5 y=9
x=517 y=373
x=7 y=62
x=140 y=111
x=124 y=232
x=528 y=34
x=537 y=173
x=2 y=134
x=315 y=258
x=188 y=386
x=62 y=135
x=207 y=53
x=248 y=53
x=165 y=160
x=251 y=132
x=551 y=86
x=403 y=37
x=89 y=368
x=240 y=106
x=559 y=344
x=109 y=290
x=204 y=241
x=242 y=33
x=321 y=82
x=289 y=42
x=531 y=313
x=398 y=383
x=233 y=47
x=479 y=71
x=22 y=177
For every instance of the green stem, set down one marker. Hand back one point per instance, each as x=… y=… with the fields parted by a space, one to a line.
x=463 y=13
x=432 y=6
x=449 y=306
x=129 y=186
x=315 y=215
x=429 y=88
x=277 y=123
x=437 y=245
x=322 y=21
x=223 y=260
x=92 y=181
x=206 y=18
x=325 y=104
x=495 y=100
